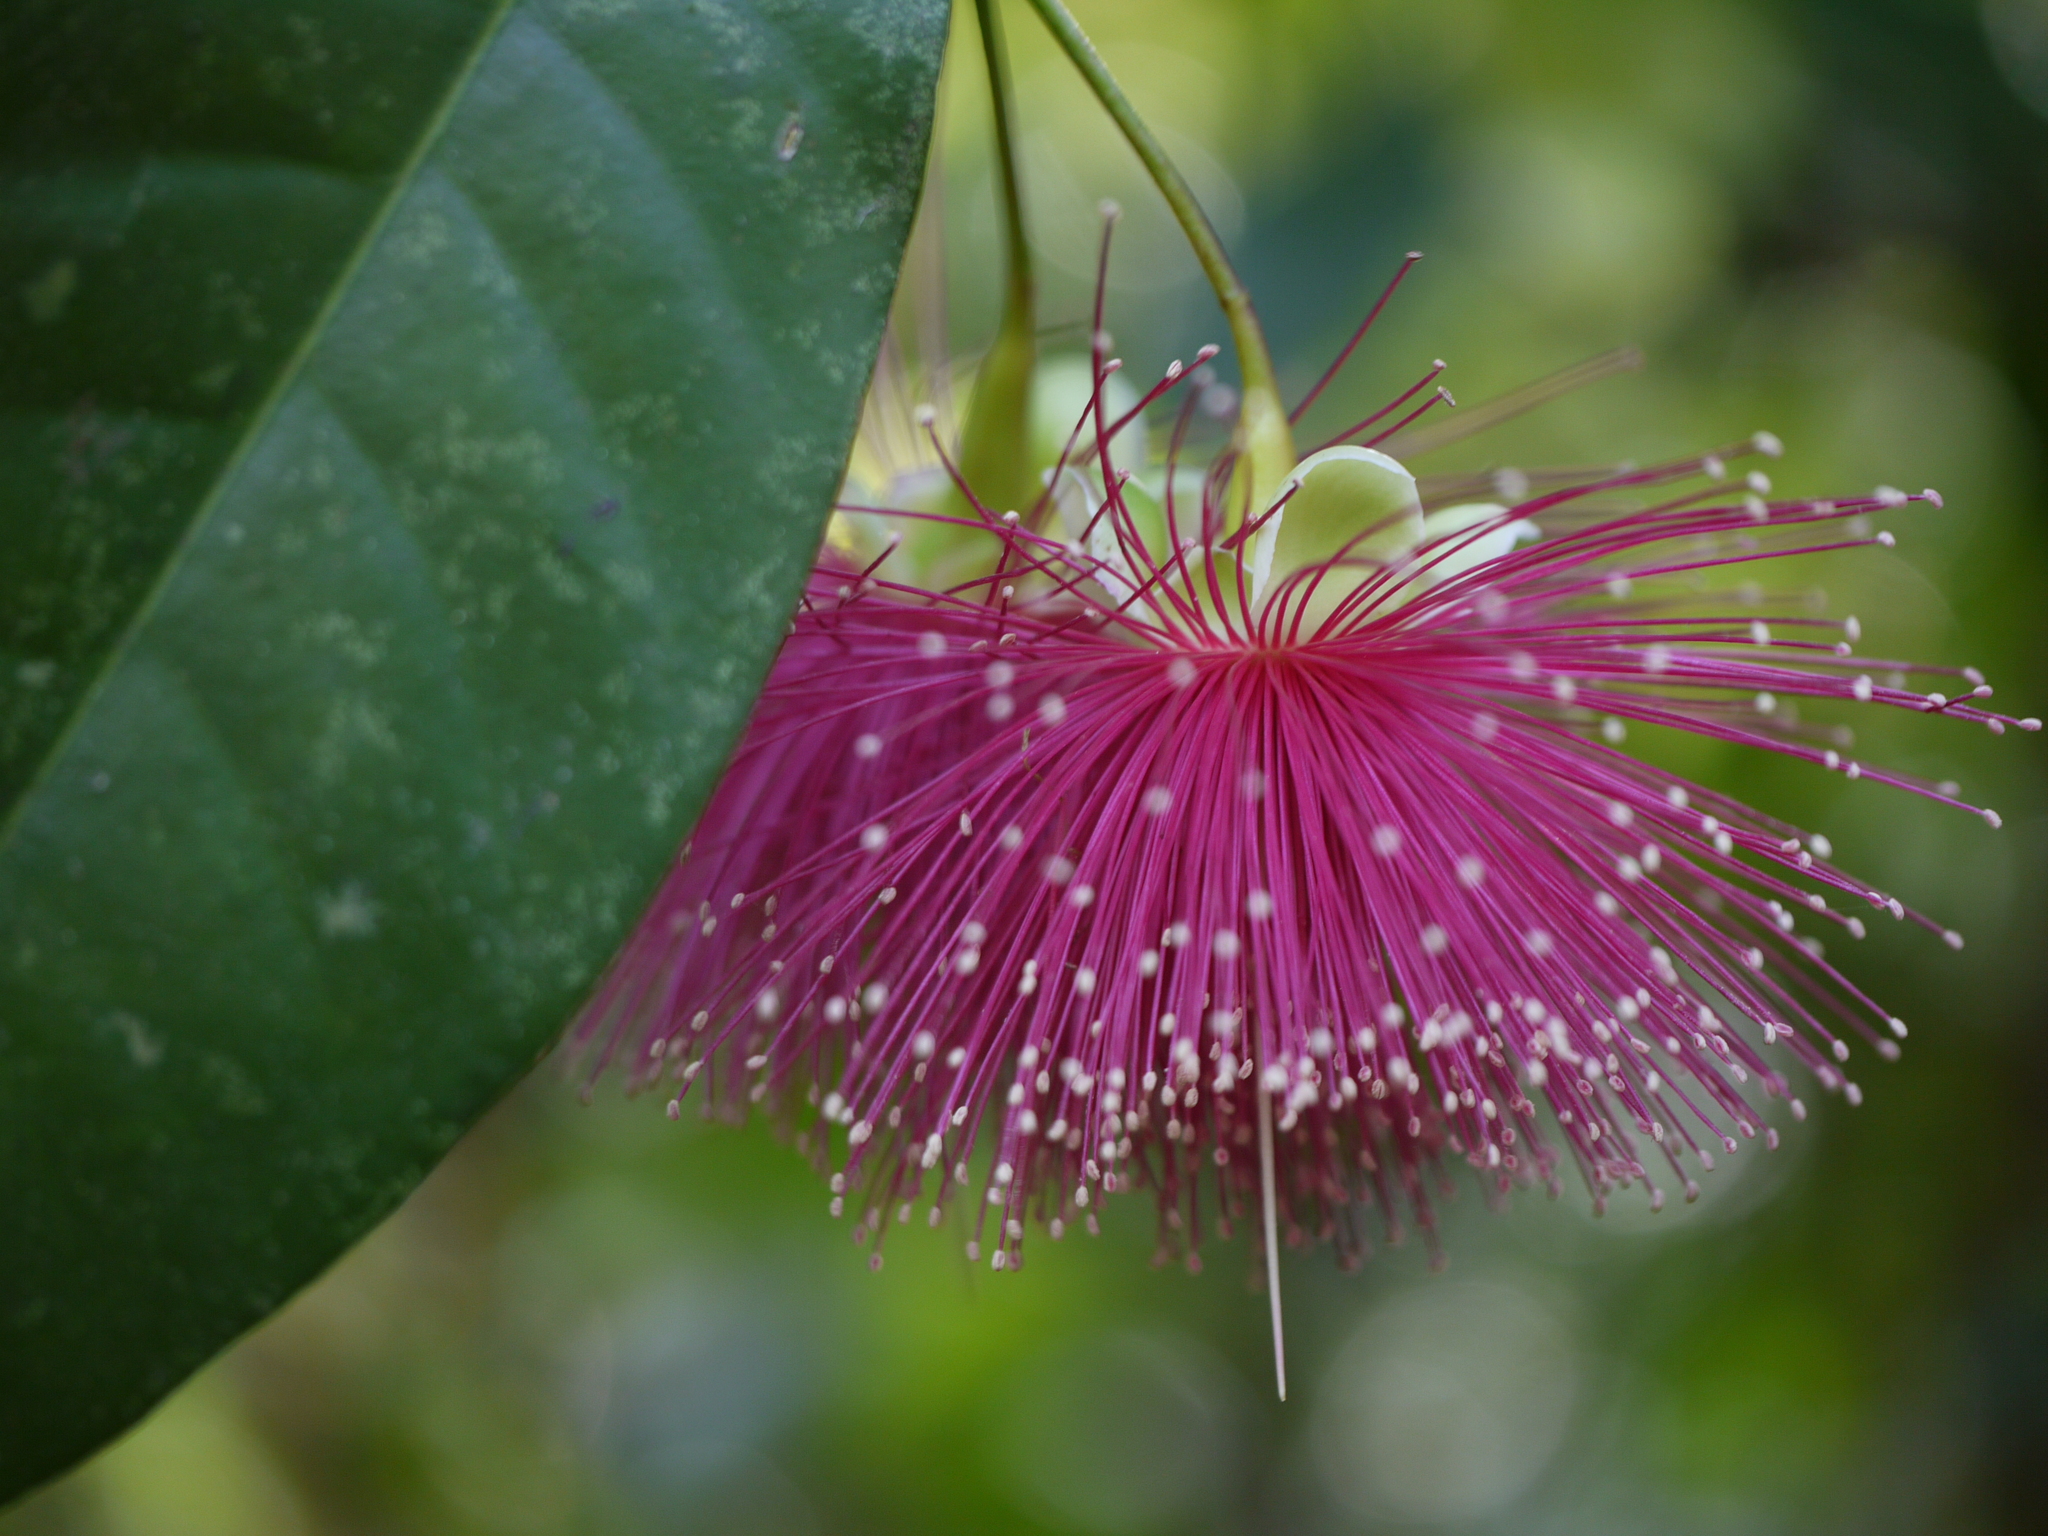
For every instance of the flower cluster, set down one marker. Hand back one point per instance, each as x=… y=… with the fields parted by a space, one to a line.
x=1169 y=849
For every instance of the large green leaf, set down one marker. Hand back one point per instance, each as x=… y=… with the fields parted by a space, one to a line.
x=415 y=419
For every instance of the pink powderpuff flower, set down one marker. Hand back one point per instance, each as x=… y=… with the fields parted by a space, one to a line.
x=1271 y=869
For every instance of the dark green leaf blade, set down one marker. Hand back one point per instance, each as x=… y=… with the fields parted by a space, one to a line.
x=408 y=658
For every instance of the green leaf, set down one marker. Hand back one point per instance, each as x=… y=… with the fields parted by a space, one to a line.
x=417 y=418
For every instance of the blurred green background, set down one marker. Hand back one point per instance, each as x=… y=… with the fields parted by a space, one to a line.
x=1824 y=217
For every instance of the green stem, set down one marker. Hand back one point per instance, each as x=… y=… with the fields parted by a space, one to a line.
x=1263 y=438
x=995 y=442
x=1020 y=300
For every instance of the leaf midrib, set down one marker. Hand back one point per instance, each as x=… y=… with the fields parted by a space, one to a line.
x=259 y=420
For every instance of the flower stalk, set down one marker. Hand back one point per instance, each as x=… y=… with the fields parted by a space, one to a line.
x=1265 y=442
x=995 y=442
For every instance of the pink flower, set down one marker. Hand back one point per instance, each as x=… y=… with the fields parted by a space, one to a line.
x=1161 y=856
